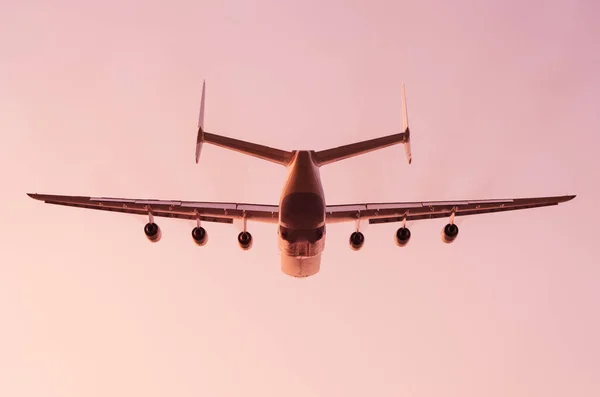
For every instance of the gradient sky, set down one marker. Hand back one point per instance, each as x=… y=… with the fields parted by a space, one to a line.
x=102 y=100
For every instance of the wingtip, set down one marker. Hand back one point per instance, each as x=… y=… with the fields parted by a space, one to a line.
x=202 y=99
x=564 y=199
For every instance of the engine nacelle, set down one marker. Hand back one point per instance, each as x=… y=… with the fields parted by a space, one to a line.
x=357 y=239
x=449 y=233
x=245 y=240
x=199 y=235
x=402 y=236
x=152 y=232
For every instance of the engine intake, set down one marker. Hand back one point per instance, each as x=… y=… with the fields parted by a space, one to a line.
x=449 y=233
x=357 y=239
x=402 y=236
x=199 y=235
x=152 y=232
x=245 y=240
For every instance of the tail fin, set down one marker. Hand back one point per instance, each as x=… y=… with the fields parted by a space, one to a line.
x=278 y=156
x=329 y=156
x=200 y=137
x=405 y=127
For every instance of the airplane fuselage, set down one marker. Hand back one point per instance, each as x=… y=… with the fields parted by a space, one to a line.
x=302 y=211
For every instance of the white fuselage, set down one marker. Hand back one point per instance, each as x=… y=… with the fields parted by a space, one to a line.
x=302 y=211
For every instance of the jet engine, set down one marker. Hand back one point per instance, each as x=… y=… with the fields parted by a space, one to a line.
x=245 y=240
x=199 y=235
x=402 y=236
x=357 y=239
x=449 y=233
x=152 y=231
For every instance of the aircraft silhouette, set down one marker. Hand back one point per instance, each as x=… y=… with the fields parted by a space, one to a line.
x=302 y=213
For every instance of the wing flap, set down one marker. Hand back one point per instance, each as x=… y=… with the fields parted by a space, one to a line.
x=220 y=212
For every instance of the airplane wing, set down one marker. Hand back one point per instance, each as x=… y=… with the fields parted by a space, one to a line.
x=397 y=212
x=220 y=212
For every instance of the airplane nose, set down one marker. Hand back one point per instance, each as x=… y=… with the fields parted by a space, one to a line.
x=300 y=267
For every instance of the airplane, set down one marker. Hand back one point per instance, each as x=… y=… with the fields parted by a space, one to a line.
x=302 y=213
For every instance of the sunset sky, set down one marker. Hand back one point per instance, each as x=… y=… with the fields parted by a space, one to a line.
x=102 y=100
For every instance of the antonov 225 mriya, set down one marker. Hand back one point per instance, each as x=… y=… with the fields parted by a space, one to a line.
x=302 y=214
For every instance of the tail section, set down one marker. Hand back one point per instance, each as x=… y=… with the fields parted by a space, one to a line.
x=200 y=137
x=277 y=156
x=322 y=157
x=405 y=127
x=329 y=156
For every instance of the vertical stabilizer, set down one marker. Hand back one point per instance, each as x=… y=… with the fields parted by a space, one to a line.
x=405 y=127
x=200 y=137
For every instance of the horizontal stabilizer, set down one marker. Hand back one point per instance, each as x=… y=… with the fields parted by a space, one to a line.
x=329 y=156
x=278 y=156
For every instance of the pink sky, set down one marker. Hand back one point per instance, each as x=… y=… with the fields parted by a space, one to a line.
x=102 y=100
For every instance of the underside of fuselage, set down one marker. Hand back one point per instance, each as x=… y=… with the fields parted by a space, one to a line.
x=301 y=228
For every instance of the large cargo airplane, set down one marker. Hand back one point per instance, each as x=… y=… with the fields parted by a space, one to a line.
x=302 y=213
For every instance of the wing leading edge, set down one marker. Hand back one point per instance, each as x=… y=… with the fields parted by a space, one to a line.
x=220 y=212
x=226 y=212
x=397 y=212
